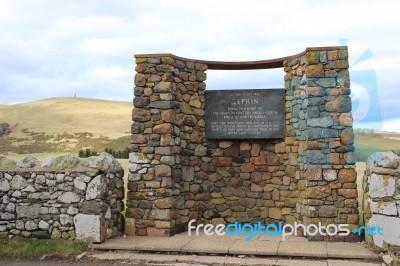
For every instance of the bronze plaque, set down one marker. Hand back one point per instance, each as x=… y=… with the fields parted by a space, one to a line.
x=245 y=114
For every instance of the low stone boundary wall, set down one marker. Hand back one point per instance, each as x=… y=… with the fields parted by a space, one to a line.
x=381 y=202
x=64 y=197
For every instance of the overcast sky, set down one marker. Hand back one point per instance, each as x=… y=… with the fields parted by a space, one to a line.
x=59 y=48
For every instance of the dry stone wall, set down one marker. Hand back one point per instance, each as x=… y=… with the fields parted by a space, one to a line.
x=65 y=197
x=381 y=200
x=176 y=174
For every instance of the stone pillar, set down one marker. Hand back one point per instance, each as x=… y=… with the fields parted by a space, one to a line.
x=381 y=205
x=318 y=87
x=166 y=105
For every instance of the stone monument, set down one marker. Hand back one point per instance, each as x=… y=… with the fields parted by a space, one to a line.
x=293 y=163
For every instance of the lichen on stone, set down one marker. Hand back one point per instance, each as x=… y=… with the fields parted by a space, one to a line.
x=28 y=162
x=66 y=162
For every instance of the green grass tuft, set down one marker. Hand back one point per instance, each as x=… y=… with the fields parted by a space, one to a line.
x=36 y=248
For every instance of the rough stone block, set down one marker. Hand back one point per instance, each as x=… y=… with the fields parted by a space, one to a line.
x=342 y=104
x=382 y=207
x=97 y=188
x=338 y=64
x=315 y=71
x=138 y=139
x=4 y=185
x=140 y=158
x=140 y=79
x=140 y=115
x=157 y=232
x=326 y=121
x=164 y=203
x=18 y=182
x=330 y=175
x=326 y=82
x=347 y=175
x=327 y=211
x=313 y=174
x=187 y=173
x=130 y=226
x=384 y=159
x=168 y=116
x=275 y=213
x=391 y=232
x=346 y=119
x=381 y=186
x=318 y=192
x=164 y=128
x=140 y=102
x=162 y=170
x=348 y=193
x=221 y=161
x=90 y=228
x=163 y=87
x=347 y=136
x=315 y=157
x=162 y=104
x=165 y=214
x=29 y=211
x=93 y=207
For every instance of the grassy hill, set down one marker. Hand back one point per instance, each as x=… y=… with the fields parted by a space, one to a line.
x=66 y=124
x=58 y=115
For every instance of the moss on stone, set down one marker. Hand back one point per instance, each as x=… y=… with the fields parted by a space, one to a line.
x=7 y=163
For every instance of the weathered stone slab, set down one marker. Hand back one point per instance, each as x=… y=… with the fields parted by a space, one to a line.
x=391 y=232
x=29 y=211
x=97 y=188
x=384 y=159
x=136 y=157
x=69 y=197
x=381 y=186
x=90 y=228
x=382 y=207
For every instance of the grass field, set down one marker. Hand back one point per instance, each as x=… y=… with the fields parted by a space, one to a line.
x=366 y=145
x=19 y=248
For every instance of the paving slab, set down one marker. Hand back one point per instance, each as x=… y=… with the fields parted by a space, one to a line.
x=166 y=244
x=254 y=247
x=352 y=263
x=207 y=260
x=119 y=243
x=215 y=245
x=349 y=250
x=303 y=249
x=287 y=238
x=296 y=262
x=235 y=261
x=153 y=258
x=111 y=256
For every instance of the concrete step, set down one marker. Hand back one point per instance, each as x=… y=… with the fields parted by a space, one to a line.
x=221 y=260
x=234 y=246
